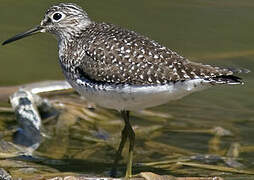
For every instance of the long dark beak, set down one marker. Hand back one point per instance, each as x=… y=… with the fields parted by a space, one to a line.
x=22 y=35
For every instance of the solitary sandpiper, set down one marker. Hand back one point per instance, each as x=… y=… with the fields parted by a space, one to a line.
x=120 y=69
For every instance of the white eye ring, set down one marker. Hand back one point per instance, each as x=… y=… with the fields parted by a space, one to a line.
x=57 y=16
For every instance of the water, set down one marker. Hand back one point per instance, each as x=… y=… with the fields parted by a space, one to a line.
x=214 y=32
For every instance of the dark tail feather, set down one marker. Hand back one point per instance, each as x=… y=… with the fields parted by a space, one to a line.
x=226 y=79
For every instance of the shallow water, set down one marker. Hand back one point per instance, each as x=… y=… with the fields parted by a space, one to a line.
x=214 y=32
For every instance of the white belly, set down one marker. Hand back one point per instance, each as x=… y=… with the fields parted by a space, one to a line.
x=133 y=98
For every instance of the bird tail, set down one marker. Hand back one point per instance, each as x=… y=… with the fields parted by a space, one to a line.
x=230 y=78
x=226 y=79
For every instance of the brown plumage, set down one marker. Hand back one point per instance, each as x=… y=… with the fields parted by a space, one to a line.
x=117 y=55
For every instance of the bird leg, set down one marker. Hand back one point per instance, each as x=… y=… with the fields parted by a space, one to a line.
x=127 y=132
x=131 y=135
x=119 y=151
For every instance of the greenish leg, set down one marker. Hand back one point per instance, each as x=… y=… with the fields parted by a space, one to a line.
x=131 y=135
x=119 y=151
x=127 y=132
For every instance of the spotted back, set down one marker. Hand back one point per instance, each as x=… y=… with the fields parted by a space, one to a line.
x=117 y=55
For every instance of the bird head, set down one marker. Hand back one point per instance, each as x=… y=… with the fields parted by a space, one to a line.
x=64 y=20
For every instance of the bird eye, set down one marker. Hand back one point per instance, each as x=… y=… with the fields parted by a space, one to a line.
x=57 y=16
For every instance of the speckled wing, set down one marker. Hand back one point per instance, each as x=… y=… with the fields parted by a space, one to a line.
x=117 y=55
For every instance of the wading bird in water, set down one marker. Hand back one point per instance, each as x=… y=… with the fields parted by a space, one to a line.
x=120 y=69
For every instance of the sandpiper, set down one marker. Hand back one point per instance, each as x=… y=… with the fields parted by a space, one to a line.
x=120 y=69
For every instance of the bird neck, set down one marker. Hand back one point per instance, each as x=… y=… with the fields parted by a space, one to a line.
x=72 y=31
x=68 y=55
x=67 y=36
